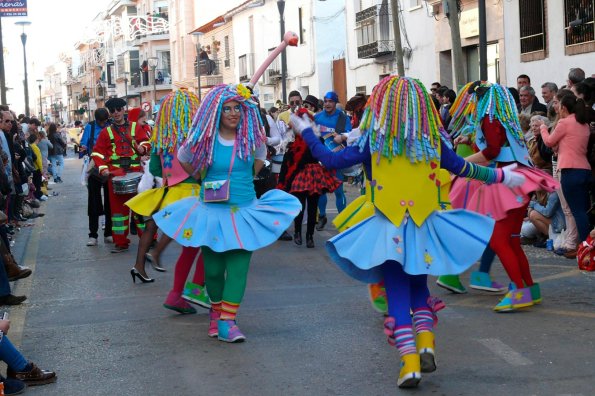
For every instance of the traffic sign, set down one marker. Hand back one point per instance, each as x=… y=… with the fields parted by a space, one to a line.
x=146 y=106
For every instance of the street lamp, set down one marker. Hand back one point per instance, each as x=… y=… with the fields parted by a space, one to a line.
x=153 y=61
x=40 y=106
x=126 y=87
x=196 y=40
x=26 y=82
x=281 y=7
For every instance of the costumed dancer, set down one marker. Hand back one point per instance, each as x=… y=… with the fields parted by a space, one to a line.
x=410 y=235
x=173 y=123
x=303 y=177
x=226 y=146
x=117 y=152
x=494 y=123
x=463 y=133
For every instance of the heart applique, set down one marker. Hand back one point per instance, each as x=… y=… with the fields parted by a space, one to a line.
x=373 y=183
x=433 y=165
x=432 y=176
x=379 y=188
x=438 y=183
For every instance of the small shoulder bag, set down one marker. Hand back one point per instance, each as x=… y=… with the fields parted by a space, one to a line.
x=218 y=190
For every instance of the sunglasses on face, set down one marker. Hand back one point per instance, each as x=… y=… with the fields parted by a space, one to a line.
x=295 y=103
x=228 y=109
x=116 y=109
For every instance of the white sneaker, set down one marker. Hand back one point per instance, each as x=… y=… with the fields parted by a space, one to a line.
x=43 y=198
x=108 y=239
x=92 y=242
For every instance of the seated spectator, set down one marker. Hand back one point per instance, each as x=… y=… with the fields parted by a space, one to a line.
x=18 y=367
x=541 y=216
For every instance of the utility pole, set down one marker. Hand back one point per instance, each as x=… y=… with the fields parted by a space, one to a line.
x=281 y=8
x=394 y=4
x=483 y=41
x=457 y=50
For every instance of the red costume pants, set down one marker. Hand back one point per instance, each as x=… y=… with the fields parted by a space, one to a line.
x=120 y=217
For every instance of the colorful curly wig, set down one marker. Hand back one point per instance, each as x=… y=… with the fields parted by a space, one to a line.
x=205 y=126
x=400 y=119
x=174 y=120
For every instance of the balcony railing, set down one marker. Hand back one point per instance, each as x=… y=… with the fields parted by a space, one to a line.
x=162 y=76
x=208 y=67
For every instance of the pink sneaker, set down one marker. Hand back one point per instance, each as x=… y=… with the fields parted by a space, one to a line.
x=213 y=325
x=175 y=302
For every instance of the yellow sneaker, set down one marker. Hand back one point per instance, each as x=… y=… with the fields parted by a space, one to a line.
x=410 y=373
x=426 y=348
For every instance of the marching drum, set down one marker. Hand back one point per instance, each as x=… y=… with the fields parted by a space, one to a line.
x=127 y=184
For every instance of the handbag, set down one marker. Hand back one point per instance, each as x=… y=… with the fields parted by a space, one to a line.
x=585 y=255
x=218 y=190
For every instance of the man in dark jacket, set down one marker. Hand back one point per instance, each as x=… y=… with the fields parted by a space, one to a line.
x=528 y=103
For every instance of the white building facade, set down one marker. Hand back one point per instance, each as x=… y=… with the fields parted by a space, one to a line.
x=545 y=38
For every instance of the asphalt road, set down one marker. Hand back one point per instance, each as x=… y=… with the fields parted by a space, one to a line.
x=310 y=329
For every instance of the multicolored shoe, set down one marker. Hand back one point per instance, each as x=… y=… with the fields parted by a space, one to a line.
x=410 y=373
x=483 y=281
x=515 y=299
x=535 y=293
x=175 y=302
x=452 y=283
x=425 y=347
x=196 y=294
x=377 y=294
x=213 y=323
x=229 y=331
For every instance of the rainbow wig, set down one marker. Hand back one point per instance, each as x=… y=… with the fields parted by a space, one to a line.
x=174 y=120
x=205 y=126
x=462 y=111
x=400 y=119
x=497 y=102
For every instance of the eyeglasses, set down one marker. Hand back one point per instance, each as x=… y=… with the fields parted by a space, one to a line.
x=433 y=89
x=227 y=109
x=295 y=102
x=116 y=109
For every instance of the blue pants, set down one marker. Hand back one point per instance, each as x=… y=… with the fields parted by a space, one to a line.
x=57 y=165
x=487 y=258
x=4 y=285
x=11 y=356
x=340 y=198
x=404 y=292
x=575 y=187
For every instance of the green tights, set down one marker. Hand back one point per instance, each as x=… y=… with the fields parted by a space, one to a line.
x=226 y=274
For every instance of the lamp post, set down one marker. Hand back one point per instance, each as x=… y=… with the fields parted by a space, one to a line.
x=126 y=87
x=26 y=82
x=153 y=61
x=281 y=7
x=40 y=106
x=196 y=39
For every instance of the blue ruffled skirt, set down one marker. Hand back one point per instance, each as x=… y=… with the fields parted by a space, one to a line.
x=448 y=242
x=224 y=227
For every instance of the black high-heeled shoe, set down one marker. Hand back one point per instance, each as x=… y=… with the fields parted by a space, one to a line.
x=297 y=238
x=309 y=241
x=154 y=263
x=135 y=274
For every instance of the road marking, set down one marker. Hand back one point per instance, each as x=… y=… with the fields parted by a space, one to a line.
x=505 y=352
x=23 y=286
x=566 y=274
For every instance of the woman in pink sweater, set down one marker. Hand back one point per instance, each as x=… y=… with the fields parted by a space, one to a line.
x=571 y=136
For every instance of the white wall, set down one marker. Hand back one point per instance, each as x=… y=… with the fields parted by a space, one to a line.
x=419 y=38
x=556 y=66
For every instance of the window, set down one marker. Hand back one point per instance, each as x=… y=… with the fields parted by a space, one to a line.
x=532 y=26
x=578 y=21
x=360 y=90
x=414 y=3
x=243 y=68
x=226 y=60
